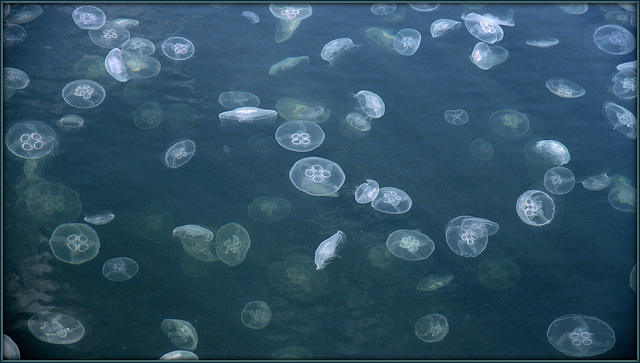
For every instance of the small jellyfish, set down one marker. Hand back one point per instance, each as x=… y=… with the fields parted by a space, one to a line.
x=487 y=27
x=251 y=16
x=291 y=11
x=468 y=236
x=559 y=180
x=22 y=14
x=70 y=122
x=148 y=116
x=367 y=192
x=485 y=56
x=565 y=88
x=574 y=9
x=328 y=249
x=89 y=17
x=10 y=350
x=432 y=328
x=433 y=282
x=120 y=269
x=181 y=333
x=74 y=243
x=99 y=218
x=12 y=34
x=442 y=26
x=294 y=109
x=509 y=123
x=287 y=63
x=498 y=273
x=621 y=119
x=354 y=126
x=31 y=139
x=628 y=66
x=235 y=99
x=371 y=103
x=285 y=29
x=299 y=136
x=244 y=116
x=226 y=149
x=410 y=245
x=614 y=39
x=424 y=7
x=178 y=48
x=197 y=241
x=407 y=41
x=256 y=315
x=179 y=153
x=232 y=244
x=547 y=151
x=269 y=210
x=83 y=93
x=55 y=328
x=535 y=208
x=297 y=278
x=127 y=23
x=317 y=176
x=180 y=355
x=336 y=48
x=383 y=9
x=580 y=335
x=110 y=35
x=624 y=84
x=392 y=201
x=139 y=47
x=481 y=149
x=542 y=43
x=596 y=182
x=14 y=78
x=623 y=198
x=456 y=117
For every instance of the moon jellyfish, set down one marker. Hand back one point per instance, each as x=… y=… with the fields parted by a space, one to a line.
x=392 y=201
x=236 y=99
x=596 y=182
x=180 y=355
x=139 y=46
x=14 y=78
x=383 y=9
x=580 y=335
x=256 y=315
x=354 y=126
x=89 y=17
x=55 y=328
x=110 y=35
x=407 y=41
x=182 y=333
x=251 y=16
x=442 y=26
x=624 y=84
x=100 y=219
x=127 y=23
x=70 y=122
x=285 y=29
x=244 y=116
x=485 y=56
x=179 y=153
x=509 y=123
x=287 y=63
x=317 y=176
x=381 y=36
x=10 y=350
x=299 y=136
x=291 y=11
x=148 y=116
x=542 y=43
x=574 y=9
x=424 y=7
x=468 y=236
x=410 y=245
x=547 y=151
x=623 y=198
x=559 y=180
x=294 y=109
x=31 y=139
x=481 y=149
x=487 y=27
x=57 y=204
x=433 y=282
x=12 y=34
x=269 y=210
x=614 y=39
x=83 y=93
x=621 y=119
x=565 y=88
x=367 y=192
x=432 y=328
x=297 y=278
x=535 y=208
x=371 y=103
x=74 y=243
x=178 y=48
x=498 y=273
x=120 y=269
x=628 y=66
x=22 y=14
x=336 y=48
x=232 y=244
x=456 y=117
x=197 y=241
x=328 y=249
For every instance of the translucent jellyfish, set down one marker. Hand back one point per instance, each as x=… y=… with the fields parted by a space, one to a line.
x=70 y=122
x=139 y=46
x=456 y=117
x=120 y=269
x=625 y=18
x=10 y=349
x=614 y=39
x=232 y=244
x=194 y=268
x=432 y=328
x=621 y=119
x=371 y=103
x=628 y=66
x=285 y=29
x=535 y=208
x=410 y=245
x=407 y=41
x=83 y=93
x=269 y=210
x=367 y=192
x=481 y=149
x=381 y=36
x=633 y=278
x=59 y=205
x=424 y=7
x=297 y=278
x=180 y=355
x=182 y=333
x=623 y=198
x=261 y=143
x=442 y=26
x=624 y=84
x=294 y=109
x=509 y=123
x=392 y=201
x=197 y=241
x=89 y=17
x=291 y=11
x=354 y=126
x=559 y=180
x=179 y=153
x=498 y=273
x=383 y=9
x=127 y=23
x=55 y=328
x=12 y=34
x=74 y=243
x=485 y=56
x=317 y=176
x=256 y=315
x=31 y=139
x=110 y=35
x=22 y=14
x=152 y=222
x=178 y=48
x=574 y=9
x=487 y=27
x=251 y=16
x=547 y=151
x=100 y=218
x=243 y=116
x=299 y=136
x=542 y=43
x=235 y=99
x=148 y=116
x=140 y=66
x=14 y=78
x=565 y=88
x=468 y=236
x=287 y=63
x=434 y=282
x=115 y=66
x=328 y=249
x=336 y=48
x=581 y=335
x=596 y=182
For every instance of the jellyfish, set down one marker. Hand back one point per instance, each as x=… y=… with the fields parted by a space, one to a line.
x=354 y=125
x=120 y=269
x=424 y=7
x=410 y=245
x=110 y=35
x=535 y=208
x=485 y=56
x=468 y=236
x=256 y=315
x=287 y=63
x=580 y=335
x=432 y=328
x=179 y=153
x=383 y=9
x=487 y=27
x=148 y=116
x=442 y=26
x=74 y=243
x=269 y=210
x=509 y=123
x=251 y=16
x=180 y=355
x=244 y=116
x=596 y=182
x=294 y=109
x=317 y=176
x=232 y=244
x=481 y=149
x=367 y=192
x=14 y=78
x=139 y=47
x=197 y=241
x=392 y=201
x=456 y=117
x=621 y=119
x=70 y=122
x=297 y=278
x=236 y=99
x=291 y=11
x=299 y=136
x=55 y=328
x=83 y=93
x=31 y=139
x=407 y=41
x=547 y=151
x=100 y=218
x=89 y=17
x=542 y=43
x=565 y=88
x=181 y=333
x=624 y=84
x=336 y=48
x=178 y=48
x=328 y=249
x=434 y=282
x=371 y=103
x=559 y=180
x=614 y=39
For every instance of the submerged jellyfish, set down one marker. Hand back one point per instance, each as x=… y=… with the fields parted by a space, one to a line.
x=622 y=119
x=443 y=26
x=367 y=192
x=247 y=116
x=178 y=48
x=424 y=7
x=14 y=78
x=89 y=17
x=269 y=210
x=22 y=14
x=498 y=273
x=110 y=35
x=232 y=244
x=328 y=249
x=468 y=236
x=297 y=278
x=256 y=315
x=456 y=117
x=580 y=335
x=432 y=328
x=180 y=355
x=181 y=333
x=10 y=350
x=294 y=109
x=31 y=139
x=83 y=93
x=596 y=182
x=547 y=151
x=291 y=11
x=371 y=103
x=251 y=16
x=56 y=204
x=100 y=218
x=559 y=180
x=354 y=126
x=485 y=56
x=614 y=39
x=383 y=9
x=481 y=149
x=287 y=63
x=433 y=282
x=12 y=34
x=74 y=243
x=120 y=269
x=535 y=208
x=148 y=116
x=179 y=153
x=197 y=241
x=335 y=48
x=509 y=123
x=565 y=88
x=542 y=43
x=55 y=328
x=624 y=84
x=299 y=136
x=70 y=122
x=487 y=27
x=139 y=46
x=410 y=245
x=392 y=200
x=407 y=41
x=235 y=99
x=285 y=29
x=317 y=176
x=623 y=198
